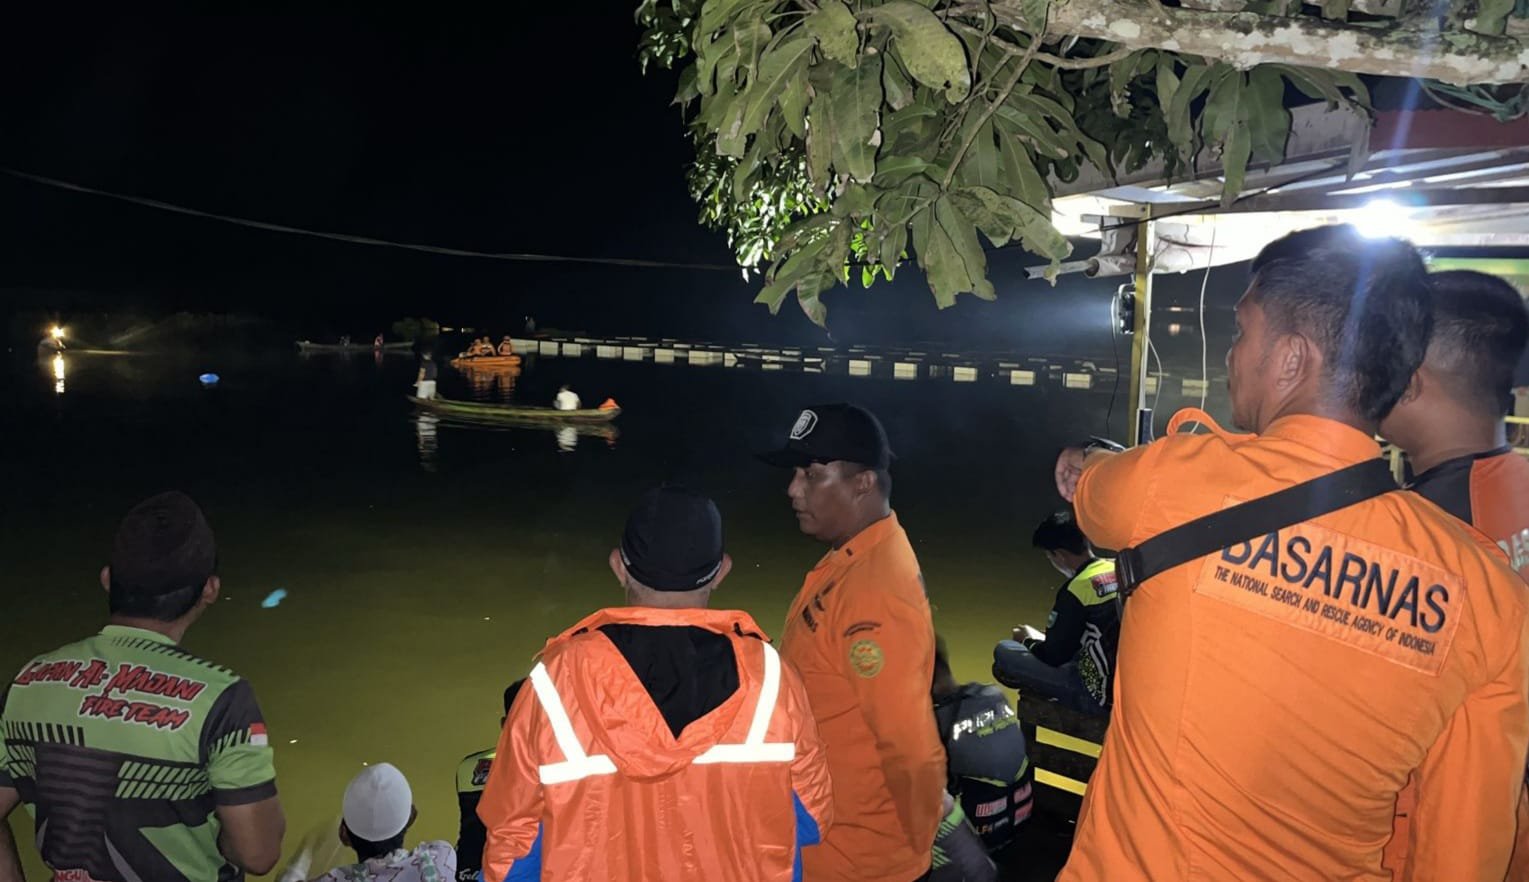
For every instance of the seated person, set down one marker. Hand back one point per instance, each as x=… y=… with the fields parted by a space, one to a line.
x=506 y=347
x=472 y=774
x=1074 y=661
x=377 y=809
x=987 y=763
x=566 y=399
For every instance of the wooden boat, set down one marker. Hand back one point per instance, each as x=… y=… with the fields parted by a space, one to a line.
x=490 y=362
x=484 y=410
x=310 y=346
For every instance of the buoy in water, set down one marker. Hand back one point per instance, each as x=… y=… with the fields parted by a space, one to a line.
x=209 y=379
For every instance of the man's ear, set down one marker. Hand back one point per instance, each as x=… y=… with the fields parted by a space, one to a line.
x=413 y=813
x=722 y=571
x=211 y=589
x=1414 y=389
x=618 y=566
x=1294 y=360
x=344 y=835
x=106 y=578
x=865 y=482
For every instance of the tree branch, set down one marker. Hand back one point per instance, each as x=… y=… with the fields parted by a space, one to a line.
x=992 y=108
x=1245 y=39
x=1085 y=62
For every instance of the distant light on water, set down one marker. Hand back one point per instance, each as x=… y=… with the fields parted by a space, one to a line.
x=57 y=332
x=58 y=374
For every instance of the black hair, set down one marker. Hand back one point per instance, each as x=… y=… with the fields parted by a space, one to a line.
x=1366 y=304
x=1059 y=532
x=1480 y=327
x=161 y=607
x=366 y=849
x=511 y=691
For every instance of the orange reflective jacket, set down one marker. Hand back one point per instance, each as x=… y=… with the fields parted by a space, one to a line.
x=861 y=635
x=590 y=784
x=1273 y=699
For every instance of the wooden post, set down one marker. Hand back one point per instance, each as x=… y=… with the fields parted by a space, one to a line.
x=1143 y=325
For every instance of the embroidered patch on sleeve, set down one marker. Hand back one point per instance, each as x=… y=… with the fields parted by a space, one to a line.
x=866 y=658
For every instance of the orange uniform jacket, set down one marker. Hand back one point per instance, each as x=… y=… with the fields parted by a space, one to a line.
x=1490 y=491
x=1273 y=699
x=861 y=635
x=590 y=784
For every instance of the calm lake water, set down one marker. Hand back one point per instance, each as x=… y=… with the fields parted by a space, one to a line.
x=425 y=562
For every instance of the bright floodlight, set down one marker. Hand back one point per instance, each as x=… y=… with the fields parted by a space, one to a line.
x=57 y=332
x=1380 y=218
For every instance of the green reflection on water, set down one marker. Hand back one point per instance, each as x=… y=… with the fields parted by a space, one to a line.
x=415 y=595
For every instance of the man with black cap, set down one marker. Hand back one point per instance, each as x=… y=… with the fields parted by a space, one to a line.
x=861 y=635
x=662 y=740
x=137 y=759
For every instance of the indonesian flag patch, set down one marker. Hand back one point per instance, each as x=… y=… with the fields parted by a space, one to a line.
x=258 y=736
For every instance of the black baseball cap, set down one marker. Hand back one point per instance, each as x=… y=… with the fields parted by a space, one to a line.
x=673 y=539
x=833 y=432
x=163 y=545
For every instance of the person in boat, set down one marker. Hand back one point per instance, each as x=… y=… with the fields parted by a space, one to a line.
x=566 y=399
x=506 y=346
x=1072 y=661
x=377 y=342
x=424 y=383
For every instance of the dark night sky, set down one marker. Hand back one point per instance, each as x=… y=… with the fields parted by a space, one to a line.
x=517 y=127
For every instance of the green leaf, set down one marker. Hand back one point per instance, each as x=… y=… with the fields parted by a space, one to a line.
x=743 y=172
x=931 y=53
x=793 y=107
x=1032 y=127
x=716 y=14
x=1492 y=16
x=893 y=247
x=1167 y=81
x=1121 y=73
x=1032 y=14
x=820 y=142
x=1234 y=162
x=809 y=297
x=1268 y=119
x=950 y=254
x=896 y=169
x=1180 y=128
x=896 y=85
x=784 y=64
x=1022 y=177
x=1022 y=221
x=749 y=39
x=856 y=102
x=783 y=277
x=1220 y=110
x=834 y=26
x=687 y=90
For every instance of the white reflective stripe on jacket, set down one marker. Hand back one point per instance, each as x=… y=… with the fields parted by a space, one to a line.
x=577 y=764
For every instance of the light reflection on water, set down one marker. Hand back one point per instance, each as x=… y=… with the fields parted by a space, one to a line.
x=427 y=559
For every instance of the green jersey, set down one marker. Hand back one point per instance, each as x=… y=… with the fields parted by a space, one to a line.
x=122 y=746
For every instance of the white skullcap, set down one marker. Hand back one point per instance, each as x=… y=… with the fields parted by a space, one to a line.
x=378 y=803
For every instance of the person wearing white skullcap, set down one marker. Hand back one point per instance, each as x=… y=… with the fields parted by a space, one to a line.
x=377 y=810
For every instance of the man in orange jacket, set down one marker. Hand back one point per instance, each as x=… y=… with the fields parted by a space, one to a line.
x=861 y=635
x=1274 y=698
x=662 y=741
x=1450 y=424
